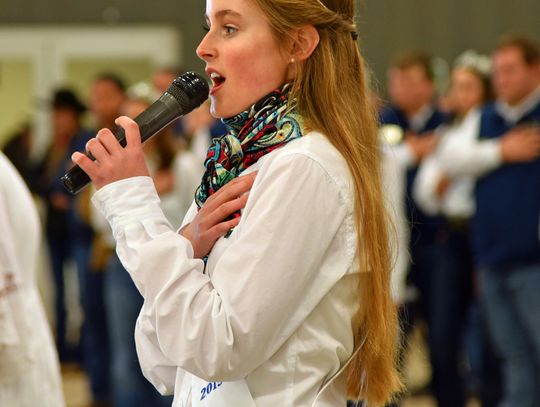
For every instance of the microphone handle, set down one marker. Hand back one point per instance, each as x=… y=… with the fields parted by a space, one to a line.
x=159 y=115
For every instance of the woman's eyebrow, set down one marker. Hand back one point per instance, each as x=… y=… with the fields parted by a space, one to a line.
x=223 y=13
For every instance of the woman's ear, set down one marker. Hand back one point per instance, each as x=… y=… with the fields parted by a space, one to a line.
x=306 y=39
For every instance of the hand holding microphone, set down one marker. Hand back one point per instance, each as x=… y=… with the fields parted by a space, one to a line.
x=107 y=161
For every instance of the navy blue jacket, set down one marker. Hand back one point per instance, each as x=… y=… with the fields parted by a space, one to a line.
x=505 y=226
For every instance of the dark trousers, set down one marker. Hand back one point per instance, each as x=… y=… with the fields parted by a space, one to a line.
x=59 y=253
x=95 y=336
x=443 y=273
x=512 y=304
x=449 y=299
x=424 y=258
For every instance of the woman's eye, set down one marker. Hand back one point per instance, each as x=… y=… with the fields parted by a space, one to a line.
x=205 y=27
x=229 y=30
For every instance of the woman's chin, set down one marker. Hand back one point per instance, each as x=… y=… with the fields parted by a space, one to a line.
x=219 y=111
x=213 y=111
x=216 y=110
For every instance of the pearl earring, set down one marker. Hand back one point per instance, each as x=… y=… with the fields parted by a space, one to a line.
x=293 y=60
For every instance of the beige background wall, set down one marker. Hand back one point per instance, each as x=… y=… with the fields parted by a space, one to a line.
x=37 y=59
x=16 y=102
x=445 y=28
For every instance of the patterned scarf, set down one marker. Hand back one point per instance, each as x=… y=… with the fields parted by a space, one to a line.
x=268 y=124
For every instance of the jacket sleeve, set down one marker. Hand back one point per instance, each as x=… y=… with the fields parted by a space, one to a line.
x=262 y=288
x=9 y=280
x=425 y=186
x=465 y=154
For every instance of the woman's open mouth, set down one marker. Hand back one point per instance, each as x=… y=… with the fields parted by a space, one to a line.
x=217 y=82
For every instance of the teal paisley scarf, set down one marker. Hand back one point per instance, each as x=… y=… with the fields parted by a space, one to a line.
x=267 y=125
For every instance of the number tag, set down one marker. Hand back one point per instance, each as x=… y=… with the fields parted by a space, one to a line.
x=220 y=394
x=205 y=391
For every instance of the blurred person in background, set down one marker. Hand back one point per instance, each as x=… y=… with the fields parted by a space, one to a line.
x=17 y=149
x=107 y=98
x=407 y=126
x=437 y=191
x=67 y=234
x=502 y=154
x=176 y=175
x=506 y=221
x=412 y=106
x=162 y=78
x=29 y=369
x=393 y=176
x=201 y=128
x=393 y=173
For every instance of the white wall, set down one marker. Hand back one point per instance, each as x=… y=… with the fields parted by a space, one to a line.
x=47 y=53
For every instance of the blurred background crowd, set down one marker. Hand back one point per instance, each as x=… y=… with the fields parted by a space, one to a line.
x=459 y=110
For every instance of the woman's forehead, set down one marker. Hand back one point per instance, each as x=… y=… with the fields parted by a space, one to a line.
x=236 y=11
x=220 y=8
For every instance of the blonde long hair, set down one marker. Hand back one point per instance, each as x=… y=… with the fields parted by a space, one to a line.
x=333 y=96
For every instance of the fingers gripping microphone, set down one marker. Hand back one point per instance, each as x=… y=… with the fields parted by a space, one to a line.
x=186 y=93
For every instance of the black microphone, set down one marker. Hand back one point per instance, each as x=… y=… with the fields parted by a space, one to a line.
x=186 y=93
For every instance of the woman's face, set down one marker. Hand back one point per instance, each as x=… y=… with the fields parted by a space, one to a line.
x=467 y=91
x=242 y=56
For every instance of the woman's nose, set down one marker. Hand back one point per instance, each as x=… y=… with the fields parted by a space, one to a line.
x=205 y=50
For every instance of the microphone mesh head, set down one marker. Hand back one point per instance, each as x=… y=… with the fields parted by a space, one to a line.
x=190 y=90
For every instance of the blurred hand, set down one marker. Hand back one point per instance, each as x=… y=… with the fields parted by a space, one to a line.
x=59 y=201
x=212 y=221
x=521 y=144
x=164 y=181
x=197 y=119
x=113 y=163
x=442 y=186
x=421 y=146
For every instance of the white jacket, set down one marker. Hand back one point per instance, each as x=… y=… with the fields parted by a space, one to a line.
x=29 y=368
x=272 y=311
